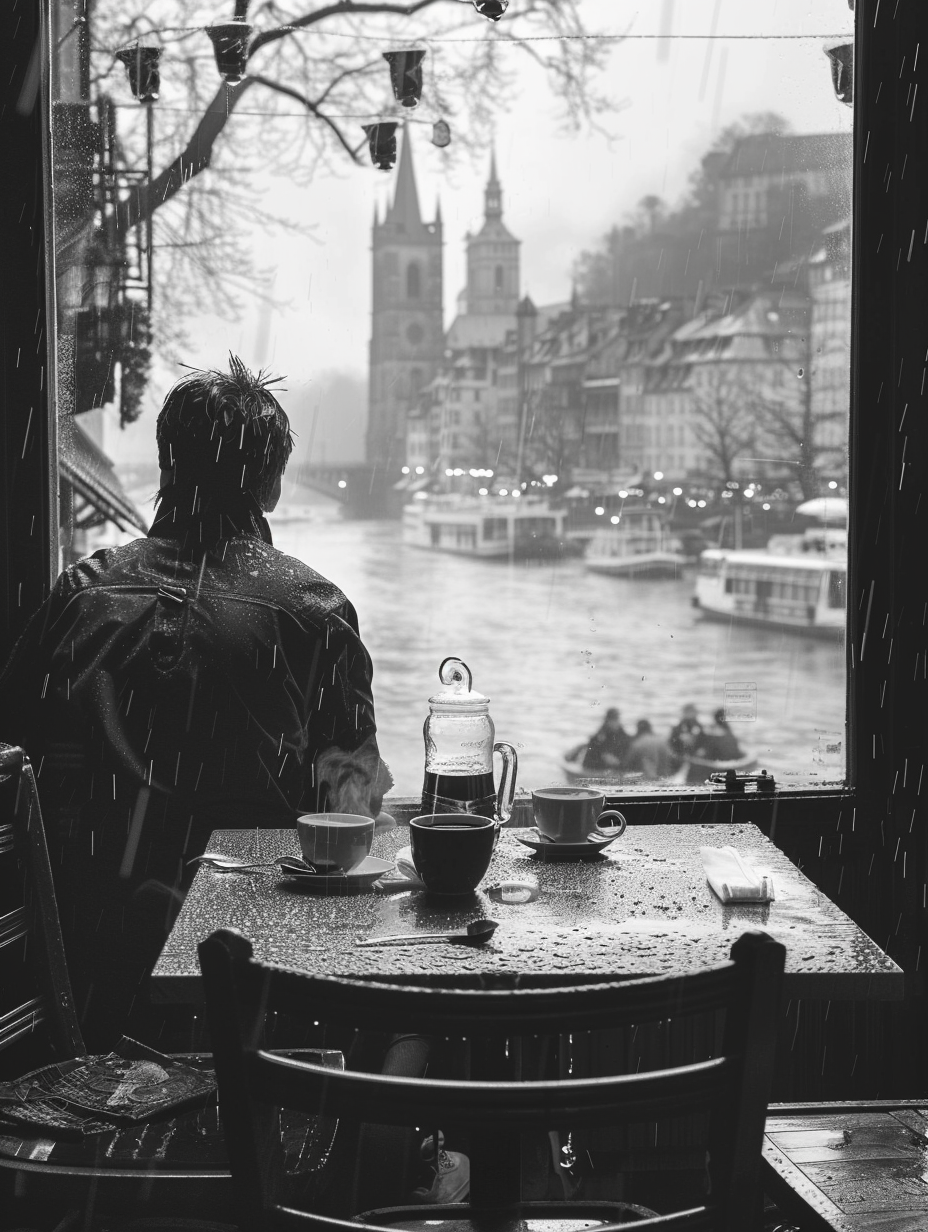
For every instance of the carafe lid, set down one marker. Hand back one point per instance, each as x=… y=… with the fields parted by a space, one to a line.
x=457 y=675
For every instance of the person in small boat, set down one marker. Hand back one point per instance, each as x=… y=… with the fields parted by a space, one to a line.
x=718 y=742
x=685 y=736
x=608 y=748
x=649 y=753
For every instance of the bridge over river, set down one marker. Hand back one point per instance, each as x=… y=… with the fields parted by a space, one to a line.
x=366 y=489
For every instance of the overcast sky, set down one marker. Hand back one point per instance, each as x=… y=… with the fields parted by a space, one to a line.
x=562 y=190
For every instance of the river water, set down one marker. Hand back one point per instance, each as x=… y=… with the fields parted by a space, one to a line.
x=553 y=646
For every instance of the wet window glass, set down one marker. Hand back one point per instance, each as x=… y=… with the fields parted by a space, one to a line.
x=564 y=315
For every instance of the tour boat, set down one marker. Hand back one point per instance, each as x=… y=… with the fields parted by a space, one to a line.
x=802 y=590
x=486 y=526
x=639 y=545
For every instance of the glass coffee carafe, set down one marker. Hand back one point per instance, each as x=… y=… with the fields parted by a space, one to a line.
x=459 y=748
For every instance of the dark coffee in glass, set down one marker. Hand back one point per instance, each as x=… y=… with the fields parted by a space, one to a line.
x=459 y=793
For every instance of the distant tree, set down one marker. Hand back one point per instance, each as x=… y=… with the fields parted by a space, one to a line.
x=652 y=210
x=596 y=273
x=723 y=418
x=801 y=434
x=765 y=416
x=552 y=435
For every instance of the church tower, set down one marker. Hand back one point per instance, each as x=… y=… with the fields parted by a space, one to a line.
x=407 y=340
x=492 y=258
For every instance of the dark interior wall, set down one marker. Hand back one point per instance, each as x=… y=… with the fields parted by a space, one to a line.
x=28 y=501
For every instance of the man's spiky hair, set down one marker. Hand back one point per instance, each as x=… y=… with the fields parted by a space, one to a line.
x=225 y=430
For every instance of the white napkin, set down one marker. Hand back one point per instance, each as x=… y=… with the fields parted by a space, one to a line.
x=733 y=879
x=403 y=876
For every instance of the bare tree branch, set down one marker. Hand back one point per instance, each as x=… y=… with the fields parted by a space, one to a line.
x=312 y=107
x=194 y=159
x=342 y=8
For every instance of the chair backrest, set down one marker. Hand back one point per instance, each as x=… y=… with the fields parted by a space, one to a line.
x=36 y=1004
x=733 y=1086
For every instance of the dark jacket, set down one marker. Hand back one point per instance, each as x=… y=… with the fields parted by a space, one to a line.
x=161 y=695
x=719 y=743
x=607 y=743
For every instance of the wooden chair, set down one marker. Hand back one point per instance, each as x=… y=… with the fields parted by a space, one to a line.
x=732 y=1088
x=130 y=1171
x=36 y=1005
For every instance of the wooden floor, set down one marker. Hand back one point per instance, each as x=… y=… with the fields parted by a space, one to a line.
x=852 y=1168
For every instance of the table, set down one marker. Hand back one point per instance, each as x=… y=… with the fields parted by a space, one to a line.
x=642 y=907
x=852 y=1168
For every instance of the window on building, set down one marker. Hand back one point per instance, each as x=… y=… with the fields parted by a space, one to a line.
x=413 y=281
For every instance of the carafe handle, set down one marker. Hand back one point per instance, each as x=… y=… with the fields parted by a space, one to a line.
x=507 y=781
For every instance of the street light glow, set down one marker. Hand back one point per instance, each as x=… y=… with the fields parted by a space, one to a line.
x=405 y=470
x=678 y=491
x=658 y=474
x=599 y=511
x=614 y=519
x=420 y=470
x=342 y=483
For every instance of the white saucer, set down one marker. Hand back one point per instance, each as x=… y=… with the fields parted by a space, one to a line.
x=366 y=873
x=547 y=847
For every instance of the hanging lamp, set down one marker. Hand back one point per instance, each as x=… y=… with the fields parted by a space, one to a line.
x=491 y=9
x=230 y=47
x=381 y=139
x=441 y=134
x=841 y=55
x=406 y=75
x=142 y=70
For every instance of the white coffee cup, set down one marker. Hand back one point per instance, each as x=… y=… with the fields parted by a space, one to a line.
x=335 y=842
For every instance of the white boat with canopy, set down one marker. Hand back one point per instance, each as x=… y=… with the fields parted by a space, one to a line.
x=486 y=526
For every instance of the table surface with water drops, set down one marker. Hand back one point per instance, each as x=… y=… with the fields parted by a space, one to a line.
x=640 y=907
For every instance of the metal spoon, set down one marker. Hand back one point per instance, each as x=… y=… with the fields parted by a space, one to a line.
x=227 y=864
x=477 y=933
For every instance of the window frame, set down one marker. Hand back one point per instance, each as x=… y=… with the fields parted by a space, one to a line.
x=887 y=521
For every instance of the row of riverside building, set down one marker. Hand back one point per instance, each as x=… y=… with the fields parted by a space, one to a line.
x=720 y=355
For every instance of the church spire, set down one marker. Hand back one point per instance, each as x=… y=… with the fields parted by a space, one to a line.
x=493 y=196
x=405 y=208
